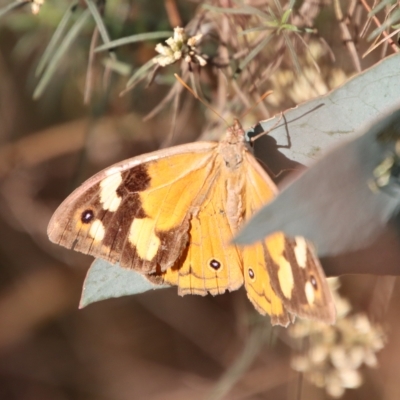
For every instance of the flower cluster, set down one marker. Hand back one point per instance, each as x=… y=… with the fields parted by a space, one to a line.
x=179 y=47
x=335 y=353
x=35 y=6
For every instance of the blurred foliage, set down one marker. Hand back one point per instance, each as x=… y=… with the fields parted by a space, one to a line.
x=154 y=345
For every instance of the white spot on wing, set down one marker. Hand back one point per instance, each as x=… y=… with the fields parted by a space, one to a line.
x=97 y=230
x=285 y=277
x=108 y=193
x=113 y=170
x=300 y=251
x=142 y=235
x=310 y=294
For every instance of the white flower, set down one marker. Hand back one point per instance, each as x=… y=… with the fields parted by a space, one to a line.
x=194 y=40
x=178 y=47
x=35 y=6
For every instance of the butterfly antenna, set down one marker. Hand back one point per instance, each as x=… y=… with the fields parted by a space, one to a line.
x=183 y=83
x=254 y=138
x=262 y=98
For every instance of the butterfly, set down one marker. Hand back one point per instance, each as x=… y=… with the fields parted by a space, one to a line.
x=171 y=214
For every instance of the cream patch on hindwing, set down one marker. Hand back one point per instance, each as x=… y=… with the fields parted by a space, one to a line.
x=285 y=277
x=97 y=230
x=108 y=192
x=142 y=235
x=300 y=251
x=310 y=292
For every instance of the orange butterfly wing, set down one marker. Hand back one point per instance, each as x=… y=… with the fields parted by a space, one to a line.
x=209 y=264
x=291 y=275
x=137 y=212
x=260 y=190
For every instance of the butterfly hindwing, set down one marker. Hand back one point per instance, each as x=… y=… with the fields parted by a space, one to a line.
x=137 y=212
x=297 y=277
x=258 y=286
x=260 y=190
x=292 y=272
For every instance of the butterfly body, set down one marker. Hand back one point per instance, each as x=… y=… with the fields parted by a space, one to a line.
x=171 y=214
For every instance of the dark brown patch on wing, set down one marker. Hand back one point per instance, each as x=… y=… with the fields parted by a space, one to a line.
x=172 y=244
x=134 y=180
x=298 y=295
x=322 y=308
x=157 y=276
x=115 y=244
x=117 y=225
x=87 y=208
x=300 y=275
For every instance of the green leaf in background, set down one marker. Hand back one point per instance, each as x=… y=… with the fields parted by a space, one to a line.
x=140 y=37
x=55 y=40
x=104 y=281
x=12 y=6
x=59 y=52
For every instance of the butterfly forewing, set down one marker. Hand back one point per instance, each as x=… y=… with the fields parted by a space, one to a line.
x=136 y=216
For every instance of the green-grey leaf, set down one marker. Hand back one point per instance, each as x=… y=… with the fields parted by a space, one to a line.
x=255 y=51
x=105 y=281
x=380 y=7
x=120 y=67
x=12 y=6
x=58 y=34
x=332 y=204
x=322 y=122
x=58 y=54
x=344 y=201
x=286 y=15
x=292 y=51
x=140 y=72
x=99 y=21
x=394 y=17
x=140 y=37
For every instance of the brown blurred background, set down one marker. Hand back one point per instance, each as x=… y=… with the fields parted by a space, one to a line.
x=154 y=345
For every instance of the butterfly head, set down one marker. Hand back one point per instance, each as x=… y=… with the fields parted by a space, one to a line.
x=235 y=133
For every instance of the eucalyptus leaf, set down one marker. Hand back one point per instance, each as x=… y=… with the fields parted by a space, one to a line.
x=317 y=125
x=105 y=280
x=345 y=200
x=332 y=204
